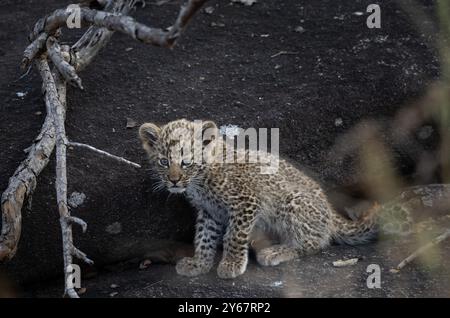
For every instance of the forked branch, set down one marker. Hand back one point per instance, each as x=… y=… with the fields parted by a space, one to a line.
x=67 y=61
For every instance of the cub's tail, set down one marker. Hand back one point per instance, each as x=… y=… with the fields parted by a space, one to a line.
x=389 y=219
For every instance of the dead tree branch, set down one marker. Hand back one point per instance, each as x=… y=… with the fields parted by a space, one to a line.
x=113 y=22
x=23 y=181
x=86 y=48
x=21 y=185
x=34 y=49
x=57 y=111
x=67 y=62
x=66 y=70
x=104 y=153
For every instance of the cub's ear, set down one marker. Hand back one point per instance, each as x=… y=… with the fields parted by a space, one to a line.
x=209 y=132
x=149 y=134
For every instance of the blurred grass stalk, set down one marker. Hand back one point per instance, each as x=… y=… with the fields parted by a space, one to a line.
x=442 y=112
x=379 y=173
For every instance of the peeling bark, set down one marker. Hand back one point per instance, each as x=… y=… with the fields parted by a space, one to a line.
x=67 y=62
x=23 y=182
x=66 y=70
x=57 y=111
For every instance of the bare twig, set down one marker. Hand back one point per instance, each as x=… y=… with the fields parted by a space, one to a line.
x=67 y=61
x=101 y=22
x=284 y=53
x=24 y=74
x=121 y=23
x=186 y=13
x=33 y=49
x=104 y=153
x=23 y=181
x=95 y=38
x=57 y=110
x=423 y=249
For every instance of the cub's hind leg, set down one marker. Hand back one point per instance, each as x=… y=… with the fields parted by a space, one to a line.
x=303 y=224
x=309 y=222
x=266 y=245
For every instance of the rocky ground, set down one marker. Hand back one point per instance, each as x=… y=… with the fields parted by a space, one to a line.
x=312 y=276
x=310 y=68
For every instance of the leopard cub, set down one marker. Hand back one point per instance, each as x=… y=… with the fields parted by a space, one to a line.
x=281 y=215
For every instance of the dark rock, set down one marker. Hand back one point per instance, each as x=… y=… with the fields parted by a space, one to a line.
x=344 y=73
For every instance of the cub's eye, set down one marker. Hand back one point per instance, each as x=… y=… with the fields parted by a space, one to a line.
x=164 y=162
x=186 y=163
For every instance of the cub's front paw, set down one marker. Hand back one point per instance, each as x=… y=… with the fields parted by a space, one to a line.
x=190 y=266
x=230 y=269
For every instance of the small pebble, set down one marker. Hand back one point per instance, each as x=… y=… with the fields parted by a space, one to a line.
x=277 y=284
x=394 y=271
x=348 y=262
x=76 y=199
x=144 y=264
x=209 y=10
x=131 y=123
x=217 y=24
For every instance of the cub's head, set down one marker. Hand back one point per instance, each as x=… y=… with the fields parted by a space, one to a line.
x=179 y=151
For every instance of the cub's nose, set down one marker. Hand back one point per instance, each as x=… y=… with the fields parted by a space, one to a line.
x=174 y=174
x=174 y=179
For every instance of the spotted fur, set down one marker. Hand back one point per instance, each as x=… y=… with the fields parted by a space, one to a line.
x=281 y=215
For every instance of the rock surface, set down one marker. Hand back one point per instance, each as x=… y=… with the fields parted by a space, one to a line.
x=337 y=73
x=312 y=276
